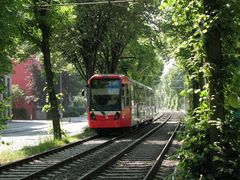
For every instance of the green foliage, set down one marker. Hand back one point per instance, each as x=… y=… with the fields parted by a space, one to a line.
x=233 y=100
x=143 y=65
x=78 y=107
x=4 y=105
x=18 y=94
x=47 y=106
x=74 y=111
x=103 y=44
x=198 y=155
x=170 y=89
x=8 y=39
x=9 y=33
x=38 y=25
x=210 y=145
x=18 y=97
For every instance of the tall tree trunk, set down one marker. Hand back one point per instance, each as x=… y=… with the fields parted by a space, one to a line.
x=215 y=59
x=216 y=81
x=45 y=47
x=88 y=53
x=89 y=66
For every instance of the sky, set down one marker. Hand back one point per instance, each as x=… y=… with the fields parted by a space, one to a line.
x=167 y=66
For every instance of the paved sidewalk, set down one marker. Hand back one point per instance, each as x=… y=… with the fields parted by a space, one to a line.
x=20 y=133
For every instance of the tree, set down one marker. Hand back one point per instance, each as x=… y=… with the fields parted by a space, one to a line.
x=143 y=65
x=205 y=42
x=86 y=34
x=8 y=21
x=37 y=83
x=170 y=89
x=126 y=25
x=8 y=38
x=37 y=27
x=71 y=87
x=101 y=43
x=214 y=56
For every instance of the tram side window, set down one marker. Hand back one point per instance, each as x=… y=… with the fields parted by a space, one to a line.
x=138 y=100
x=128 y=95
x=123 y=96
x=132 y=89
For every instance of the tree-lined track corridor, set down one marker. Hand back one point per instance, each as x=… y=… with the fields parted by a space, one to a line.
x=136 y=38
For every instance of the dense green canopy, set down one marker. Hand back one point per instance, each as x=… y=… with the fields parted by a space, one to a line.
x=203 y=36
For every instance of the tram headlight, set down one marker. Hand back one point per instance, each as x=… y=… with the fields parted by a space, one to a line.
x=117 y=116
x=92 y=115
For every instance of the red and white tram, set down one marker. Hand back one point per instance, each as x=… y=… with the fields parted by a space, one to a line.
x=115 y=101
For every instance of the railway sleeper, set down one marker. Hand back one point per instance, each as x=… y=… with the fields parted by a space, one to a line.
x=117 y=178
x=127 y=168
x=133 y=174
x=124 y=170
x=11 y=176
x=21 y=170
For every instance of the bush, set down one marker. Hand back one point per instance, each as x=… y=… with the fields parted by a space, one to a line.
x=74 y=112
x=20 y=113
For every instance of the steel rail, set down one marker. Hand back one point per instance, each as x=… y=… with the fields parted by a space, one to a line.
x=80 y=155
x=7 y=167
x=72 y=158
x=105 y=164
x=43 y=154
x=160 y=157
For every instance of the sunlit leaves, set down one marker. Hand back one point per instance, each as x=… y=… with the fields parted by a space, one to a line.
x=8 y=33
x=170 y=89
x=143 y=64
x=234 y=100
x=9 y=19
x=189 y=24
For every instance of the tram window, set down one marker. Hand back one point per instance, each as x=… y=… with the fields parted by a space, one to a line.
x=123 y=96
x=127 y=95
x=105 y=95
x=132 y=95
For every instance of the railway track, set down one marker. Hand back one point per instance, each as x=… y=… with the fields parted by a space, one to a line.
x=58 y=160
x=141 y=159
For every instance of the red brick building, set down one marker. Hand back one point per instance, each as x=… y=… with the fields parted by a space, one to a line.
x=20 y=77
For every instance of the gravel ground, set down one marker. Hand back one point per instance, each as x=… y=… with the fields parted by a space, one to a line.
x=170 y=162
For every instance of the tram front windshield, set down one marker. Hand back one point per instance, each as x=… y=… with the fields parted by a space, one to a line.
x=105 y=95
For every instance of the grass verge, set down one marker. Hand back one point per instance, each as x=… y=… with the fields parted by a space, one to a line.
x=9 y=155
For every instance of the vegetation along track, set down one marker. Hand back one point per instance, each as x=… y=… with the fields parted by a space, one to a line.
x=40 y=164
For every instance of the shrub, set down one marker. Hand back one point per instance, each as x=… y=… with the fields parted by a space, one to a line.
x=20 y=113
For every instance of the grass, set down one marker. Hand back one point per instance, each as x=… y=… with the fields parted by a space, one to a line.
x=9 y=155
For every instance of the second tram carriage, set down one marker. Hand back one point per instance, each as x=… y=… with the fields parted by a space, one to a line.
x=116 y=101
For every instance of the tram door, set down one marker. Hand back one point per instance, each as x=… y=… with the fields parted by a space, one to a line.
x=125 y=102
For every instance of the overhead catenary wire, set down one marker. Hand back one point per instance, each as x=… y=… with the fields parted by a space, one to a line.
x=90 y=3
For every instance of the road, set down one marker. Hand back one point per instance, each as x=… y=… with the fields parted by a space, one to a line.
x=20 y=133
